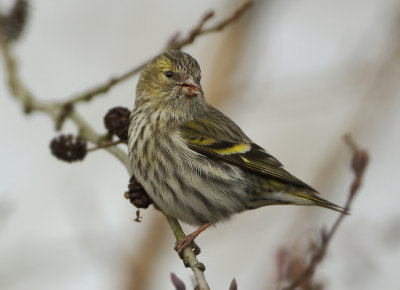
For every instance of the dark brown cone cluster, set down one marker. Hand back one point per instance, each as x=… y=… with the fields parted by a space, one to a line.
x=117 y=122
x=68 y=148
x=13 y=23
x=137 y=195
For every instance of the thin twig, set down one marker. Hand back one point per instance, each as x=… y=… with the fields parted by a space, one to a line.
x=106 y=145
x=189 y=258
x=358 y=164
x=173 y=43
x=87 y=95
x=198 y=29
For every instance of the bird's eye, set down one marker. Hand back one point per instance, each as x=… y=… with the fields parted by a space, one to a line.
x=168 y=74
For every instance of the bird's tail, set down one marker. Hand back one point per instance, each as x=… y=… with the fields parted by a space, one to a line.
x=299 y=197
x=270 y=192
x=310 y=198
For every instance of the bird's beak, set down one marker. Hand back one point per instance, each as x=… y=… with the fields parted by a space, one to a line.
x=193 y=84
x=192 y=87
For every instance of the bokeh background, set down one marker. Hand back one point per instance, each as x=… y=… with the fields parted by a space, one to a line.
x=295 y=75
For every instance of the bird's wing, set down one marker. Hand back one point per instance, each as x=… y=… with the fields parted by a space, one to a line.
x=216 y=136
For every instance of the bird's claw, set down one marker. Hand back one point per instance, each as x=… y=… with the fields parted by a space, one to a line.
x=185 y=242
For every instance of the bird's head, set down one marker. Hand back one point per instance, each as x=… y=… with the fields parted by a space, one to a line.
x=171 y=82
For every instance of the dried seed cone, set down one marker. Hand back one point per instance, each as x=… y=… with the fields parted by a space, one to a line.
x=137 y=195
x=117 y=122
x=68 y=148
x=14 y=22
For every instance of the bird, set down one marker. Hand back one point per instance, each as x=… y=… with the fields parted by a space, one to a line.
x=195 y=163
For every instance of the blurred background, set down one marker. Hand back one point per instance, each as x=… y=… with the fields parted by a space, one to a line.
x=295 y=75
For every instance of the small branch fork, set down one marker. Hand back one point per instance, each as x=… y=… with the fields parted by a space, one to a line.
x=176 y=43
x=61 y=111
x=358 y=164
x=173 y=43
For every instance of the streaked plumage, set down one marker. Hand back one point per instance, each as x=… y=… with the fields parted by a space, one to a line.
x=195 y=163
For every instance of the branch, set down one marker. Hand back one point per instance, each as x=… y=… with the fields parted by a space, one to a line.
x=198 y=30
x=100 y=89
x=189 y=258
x=106 y=145
x=20 y=92
x=60 y=111
x=30 y=104
x=173 y=43
x=358 y=164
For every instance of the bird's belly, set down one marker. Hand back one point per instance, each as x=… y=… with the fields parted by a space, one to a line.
x=182 y=183
x=187 y=185
x=194 y=198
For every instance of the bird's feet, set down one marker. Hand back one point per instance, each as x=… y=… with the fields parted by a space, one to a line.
x=183 y=243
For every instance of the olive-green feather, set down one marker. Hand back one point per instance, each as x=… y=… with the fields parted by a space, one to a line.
x=231 y=145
